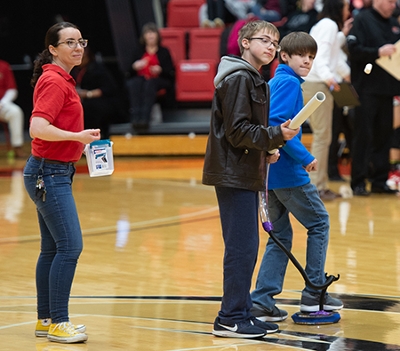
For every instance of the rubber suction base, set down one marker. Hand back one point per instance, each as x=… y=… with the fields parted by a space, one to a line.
x=320 y=317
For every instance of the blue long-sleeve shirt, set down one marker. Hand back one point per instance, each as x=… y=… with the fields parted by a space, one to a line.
x=286 y=102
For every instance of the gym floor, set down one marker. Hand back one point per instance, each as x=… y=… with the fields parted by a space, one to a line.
x=150 y=275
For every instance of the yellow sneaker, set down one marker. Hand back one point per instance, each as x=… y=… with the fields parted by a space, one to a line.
x=43 y=325
x=66 y=333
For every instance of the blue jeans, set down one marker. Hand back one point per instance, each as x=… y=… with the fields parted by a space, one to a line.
x=266 y=15
x=239 y=219
x=306 y=206
x=61 y=237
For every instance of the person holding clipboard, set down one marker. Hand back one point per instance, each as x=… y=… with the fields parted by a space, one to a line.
x=374 y=33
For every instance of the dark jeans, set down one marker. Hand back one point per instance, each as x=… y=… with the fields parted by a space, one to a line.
x=142 y=96
x=373 y=128
x=341 y=123
x=100 y=113
x=239 y=219
x=304 y=203
x=61 y=237
x=217 y=9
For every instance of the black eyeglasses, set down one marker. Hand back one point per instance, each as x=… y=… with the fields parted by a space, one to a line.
x=73 y=44
x=267 y=42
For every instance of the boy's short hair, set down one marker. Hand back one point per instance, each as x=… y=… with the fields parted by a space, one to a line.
x=298 y=43
x=251 y=27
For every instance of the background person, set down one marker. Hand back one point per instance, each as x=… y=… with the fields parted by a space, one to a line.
x=235 y=164
x=330 y=34
x=152 y=70
x=56 y=126
x=373 y=35
x=98 y=91
x=10 y=112
x=291 y=192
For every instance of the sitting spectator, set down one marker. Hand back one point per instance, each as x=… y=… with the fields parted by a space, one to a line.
x=152 y=71
x=9 y=111
x=300 y=20
x=217 y=13
x=267 y=10
x=99 y=93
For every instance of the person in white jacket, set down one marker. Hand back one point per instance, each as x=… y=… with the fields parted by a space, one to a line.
x=330 y=34
x=10 y=112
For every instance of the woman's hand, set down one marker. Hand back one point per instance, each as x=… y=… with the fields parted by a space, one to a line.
x=347 y=25
x=139 y=64
x=155 y=70
x=89 y=135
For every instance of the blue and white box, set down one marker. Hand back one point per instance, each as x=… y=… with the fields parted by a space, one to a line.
x=99 y=157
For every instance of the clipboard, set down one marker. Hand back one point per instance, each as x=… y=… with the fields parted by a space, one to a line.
x=391 y=64
x=347 y=96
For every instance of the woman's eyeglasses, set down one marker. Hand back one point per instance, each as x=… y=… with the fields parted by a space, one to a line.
x=73 y=44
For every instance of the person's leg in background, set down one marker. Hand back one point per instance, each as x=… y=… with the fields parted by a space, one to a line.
x=321 y=125
x=135 y=94
x=14 y=116
x=360 y=147
x=381 y=144
x=216 y=14
x=335 y=147
x=150 y=89
x=341 y=126
x=264 y=14
x=393 y=181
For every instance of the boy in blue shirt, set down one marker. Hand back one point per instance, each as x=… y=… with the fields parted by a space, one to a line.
x=235 y=164
x=290 y=191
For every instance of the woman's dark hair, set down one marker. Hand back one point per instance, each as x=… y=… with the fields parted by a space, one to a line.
x=333 y=9
x=150 y=27
x=52 y=38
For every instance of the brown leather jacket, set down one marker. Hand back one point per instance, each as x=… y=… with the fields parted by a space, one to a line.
x=239 y=136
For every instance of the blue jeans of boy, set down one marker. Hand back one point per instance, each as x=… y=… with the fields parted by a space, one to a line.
x=307 y=207
x=239 y=219
x=61 y=236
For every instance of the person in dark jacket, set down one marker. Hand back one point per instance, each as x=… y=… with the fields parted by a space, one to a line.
x=302 y=19
x=235 y=164
x=152 y=71
x=98 y=91
x=373 y=35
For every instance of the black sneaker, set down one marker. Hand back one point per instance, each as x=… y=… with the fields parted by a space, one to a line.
x=266 y=315
x=268 y=327
x=244 y=329
x=360 y=190
x=310 y=302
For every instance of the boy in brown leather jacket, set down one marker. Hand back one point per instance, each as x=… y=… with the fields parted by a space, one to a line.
x=235 y=163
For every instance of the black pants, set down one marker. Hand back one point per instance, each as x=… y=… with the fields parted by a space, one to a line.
x=100 y=113
x=341 y=123
x=142 y=96
x=372 y=135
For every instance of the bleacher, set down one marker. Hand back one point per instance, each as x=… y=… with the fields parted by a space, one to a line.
x=196 y=53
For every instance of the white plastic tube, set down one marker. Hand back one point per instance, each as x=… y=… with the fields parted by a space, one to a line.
x=307 y=110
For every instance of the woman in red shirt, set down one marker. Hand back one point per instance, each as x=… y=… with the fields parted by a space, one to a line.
x=152 y=71
x=56 y=126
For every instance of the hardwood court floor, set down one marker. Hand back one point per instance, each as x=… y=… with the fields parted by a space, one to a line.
x=150 y=275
